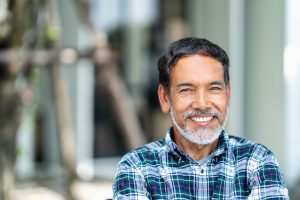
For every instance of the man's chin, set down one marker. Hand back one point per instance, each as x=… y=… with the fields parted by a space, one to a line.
x=202 y=136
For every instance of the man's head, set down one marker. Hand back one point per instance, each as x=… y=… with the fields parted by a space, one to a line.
x=194 y=87
x=186 y=47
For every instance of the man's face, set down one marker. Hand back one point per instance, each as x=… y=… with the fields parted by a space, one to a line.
x=198 y=98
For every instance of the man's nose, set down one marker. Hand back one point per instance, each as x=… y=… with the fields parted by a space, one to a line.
x=201 y=101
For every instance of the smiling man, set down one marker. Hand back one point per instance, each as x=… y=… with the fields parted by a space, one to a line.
x=198 y=159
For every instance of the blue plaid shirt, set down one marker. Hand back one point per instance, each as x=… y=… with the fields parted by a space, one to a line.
x=237 y=169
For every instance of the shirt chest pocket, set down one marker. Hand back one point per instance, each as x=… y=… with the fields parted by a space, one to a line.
x=187 y=182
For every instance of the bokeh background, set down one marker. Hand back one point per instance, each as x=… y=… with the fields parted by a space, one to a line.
x=78 y=83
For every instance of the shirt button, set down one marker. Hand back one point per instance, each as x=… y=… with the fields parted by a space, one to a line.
x=202 y=170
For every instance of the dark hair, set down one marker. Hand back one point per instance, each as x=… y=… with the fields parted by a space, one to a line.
x=190 y=46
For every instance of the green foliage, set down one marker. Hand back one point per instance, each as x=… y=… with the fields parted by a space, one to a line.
x=34 y=75
x=18 y=152
x=51 y=34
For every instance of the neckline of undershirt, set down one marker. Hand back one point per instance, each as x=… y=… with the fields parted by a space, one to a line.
x=204 y=160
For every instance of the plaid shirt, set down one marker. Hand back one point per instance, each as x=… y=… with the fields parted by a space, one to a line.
x=237 y=169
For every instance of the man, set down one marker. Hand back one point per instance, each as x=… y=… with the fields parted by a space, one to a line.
x=198 y=159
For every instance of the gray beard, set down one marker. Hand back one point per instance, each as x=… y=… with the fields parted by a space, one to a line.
x=201 y=136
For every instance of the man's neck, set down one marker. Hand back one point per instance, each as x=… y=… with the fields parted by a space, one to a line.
x=195 y=151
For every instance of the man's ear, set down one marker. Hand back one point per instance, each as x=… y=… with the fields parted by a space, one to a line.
x=164 y=100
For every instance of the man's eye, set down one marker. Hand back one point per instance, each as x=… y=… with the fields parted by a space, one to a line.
x=216 y=88
x=185 y=90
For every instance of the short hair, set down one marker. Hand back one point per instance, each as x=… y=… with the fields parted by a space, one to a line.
x=186 y=47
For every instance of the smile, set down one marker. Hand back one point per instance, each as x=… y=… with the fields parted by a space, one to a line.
x=201 y=119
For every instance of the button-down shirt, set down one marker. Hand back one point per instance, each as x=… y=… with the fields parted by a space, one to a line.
x=237 y=169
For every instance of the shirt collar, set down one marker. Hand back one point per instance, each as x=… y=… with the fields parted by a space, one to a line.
x=223 y=144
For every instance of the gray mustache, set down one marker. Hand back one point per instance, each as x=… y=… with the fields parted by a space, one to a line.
x=209 y=113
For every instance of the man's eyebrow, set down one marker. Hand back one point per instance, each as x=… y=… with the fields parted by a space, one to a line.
x=183 y=85
x=217 y=83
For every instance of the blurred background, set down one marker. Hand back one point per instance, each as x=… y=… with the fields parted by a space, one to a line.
x=78 y=83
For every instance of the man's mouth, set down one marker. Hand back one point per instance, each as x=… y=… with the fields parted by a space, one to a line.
x=201 y=119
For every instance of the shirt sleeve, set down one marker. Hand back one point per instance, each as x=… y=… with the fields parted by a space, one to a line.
x=266 y=181
x=130 y=184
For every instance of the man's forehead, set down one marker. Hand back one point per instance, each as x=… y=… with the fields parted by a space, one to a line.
x=199 y=66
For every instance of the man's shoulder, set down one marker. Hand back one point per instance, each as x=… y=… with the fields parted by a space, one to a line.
x=242 y=147
x=147 y=153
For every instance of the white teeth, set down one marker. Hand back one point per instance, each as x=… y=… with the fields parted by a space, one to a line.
x=201 y=119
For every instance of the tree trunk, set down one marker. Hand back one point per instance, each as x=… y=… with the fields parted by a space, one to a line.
x=65 y=127
x=19 y=29
x=9 y=120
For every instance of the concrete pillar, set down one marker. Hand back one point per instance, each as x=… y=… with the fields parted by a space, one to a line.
x=236 y=118
x=210 y=19
x=292 y=92
x=264 y=34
